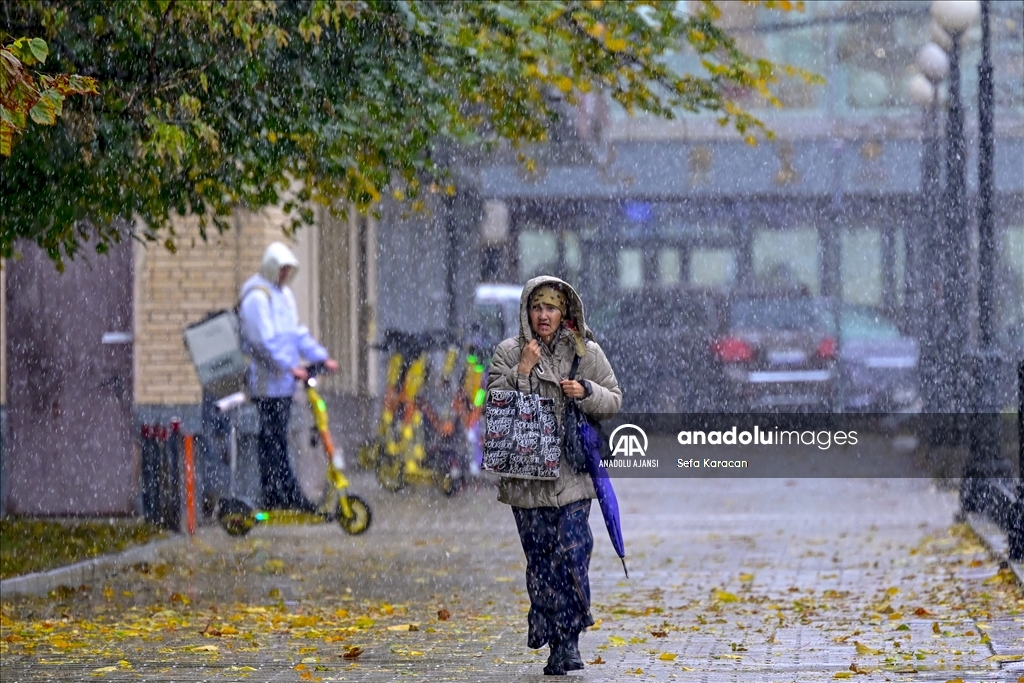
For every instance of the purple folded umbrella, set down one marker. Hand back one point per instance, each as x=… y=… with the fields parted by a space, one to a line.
x=591 y=438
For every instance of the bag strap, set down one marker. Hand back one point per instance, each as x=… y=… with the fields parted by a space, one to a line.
x=575 y=366
x=254 y=288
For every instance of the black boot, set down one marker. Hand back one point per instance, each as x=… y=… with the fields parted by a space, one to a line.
x=571 y=659
x=555 y=666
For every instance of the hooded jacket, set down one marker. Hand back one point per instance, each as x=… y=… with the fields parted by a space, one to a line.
x=271 y=333
x=554 y=365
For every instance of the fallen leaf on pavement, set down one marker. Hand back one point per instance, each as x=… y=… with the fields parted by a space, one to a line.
x=1006 y=658
x=922 y=612
x=667 y=657
x=659 y=634
x=863 y=649
x=443 y=614
x=353 y=652
x=598 y=660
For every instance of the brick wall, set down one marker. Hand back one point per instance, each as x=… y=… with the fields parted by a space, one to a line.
x=173 y=290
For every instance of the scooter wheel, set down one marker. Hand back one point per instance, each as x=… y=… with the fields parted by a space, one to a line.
x=357 y=522
x=236 y=516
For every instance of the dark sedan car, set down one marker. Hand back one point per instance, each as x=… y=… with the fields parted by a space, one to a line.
x=776 y=352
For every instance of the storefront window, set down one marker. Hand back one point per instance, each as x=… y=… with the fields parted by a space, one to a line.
x=787 y=258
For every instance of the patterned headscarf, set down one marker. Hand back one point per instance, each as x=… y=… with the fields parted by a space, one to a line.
x=546 y=294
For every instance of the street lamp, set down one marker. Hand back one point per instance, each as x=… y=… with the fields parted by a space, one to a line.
x=928 y=311
x=981 y=489
x=955 y=17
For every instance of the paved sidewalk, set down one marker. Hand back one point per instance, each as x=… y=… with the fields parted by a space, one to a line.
x=730 y=580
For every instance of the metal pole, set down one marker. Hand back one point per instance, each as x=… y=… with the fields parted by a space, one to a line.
x=985 y=464
x=929 y=327
x=955 y=381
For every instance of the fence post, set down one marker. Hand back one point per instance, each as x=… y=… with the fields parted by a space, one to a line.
x=150 y=452
x=190 y=486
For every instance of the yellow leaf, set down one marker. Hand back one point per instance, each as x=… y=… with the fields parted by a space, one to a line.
x=935 y=627
x=616 y=641
x=615 y=44
x=404 y=627
x=865 y=650
x=205 y=648
x=686 y=668
x=564 y=84
x=104 y=670
x=667 y=657
x=638 y=671
x=843 y=674
x=746 y=578
x=725 y=596
x=1006 y=658
x=955 y=680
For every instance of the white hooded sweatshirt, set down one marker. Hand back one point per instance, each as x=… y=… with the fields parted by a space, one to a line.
x=271 y=333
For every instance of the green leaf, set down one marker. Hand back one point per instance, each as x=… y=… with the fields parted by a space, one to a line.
x=46 y=110
x=39 y=49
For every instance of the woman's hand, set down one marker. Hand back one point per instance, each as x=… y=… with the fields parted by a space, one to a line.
x=530 y=357
x=573 y=389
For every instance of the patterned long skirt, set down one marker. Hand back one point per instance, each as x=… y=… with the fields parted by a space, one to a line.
x=557 y=542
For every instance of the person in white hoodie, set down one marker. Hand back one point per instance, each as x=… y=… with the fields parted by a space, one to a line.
x=278 y=346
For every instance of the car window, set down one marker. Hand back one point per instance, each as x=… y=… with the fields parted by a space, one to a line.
x=858 y=323
x=779 y=314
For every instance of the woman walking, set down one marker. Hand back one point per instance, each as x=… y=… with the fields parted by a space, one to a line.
x=553 y=516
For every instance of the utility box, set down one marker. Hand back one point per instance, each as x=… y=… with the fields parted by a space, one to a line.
x=214 y=344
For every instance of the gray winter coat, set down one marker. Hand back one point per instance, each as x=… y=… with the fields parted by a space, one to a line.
x=554 y=365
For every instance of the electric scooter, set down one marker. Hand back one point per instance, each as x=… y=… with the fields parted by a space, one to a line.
x=238 y=515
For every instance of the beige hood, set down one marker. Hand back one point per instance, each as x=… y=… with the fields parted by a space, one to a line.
x=575 y=312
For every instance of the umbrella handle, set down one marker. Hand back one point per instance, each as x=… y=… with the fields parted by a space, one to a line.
x=624 y=566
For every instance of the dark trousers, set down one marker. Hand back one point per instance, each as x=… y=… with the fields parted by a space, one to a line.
x=557 y=542
x=279 y=485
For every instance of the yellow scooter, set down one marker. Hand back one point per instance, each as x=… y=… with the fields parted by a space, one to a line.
x=238 y=516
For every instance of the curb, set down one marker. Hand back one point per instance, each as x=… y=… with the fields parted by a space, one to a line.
x=995 y=541
x=92 y=570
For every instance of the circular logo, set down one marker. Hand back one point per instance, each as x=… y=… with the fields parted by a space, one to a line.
x=628 y=440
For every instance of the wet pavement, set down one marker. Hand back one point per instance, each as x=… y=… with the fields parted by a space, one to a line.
x=730 y=580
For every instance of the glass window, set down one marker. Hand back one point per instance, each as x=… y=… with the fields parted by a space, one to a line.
x=631 y=269
x=1010 y=279
x=538 y=253
x=787 y=258
x=862 y=266
x=670 y=269
x=712 y=267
